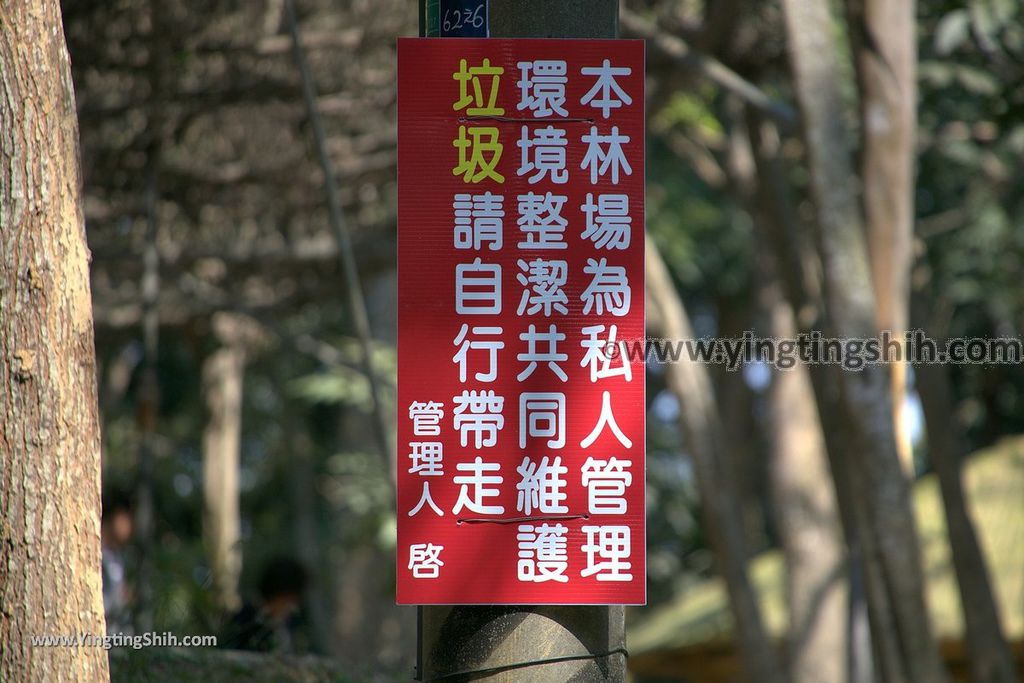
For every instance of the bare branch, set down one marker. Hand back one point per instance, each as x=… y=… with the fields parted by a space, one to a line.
x=709 y=68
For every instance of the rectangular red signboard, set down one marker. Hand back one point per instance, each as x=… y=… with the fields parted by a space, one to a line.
x=521 y=277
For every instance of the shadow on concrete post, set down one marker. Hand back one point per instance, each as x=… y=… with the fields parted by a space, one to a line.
x=545 y=644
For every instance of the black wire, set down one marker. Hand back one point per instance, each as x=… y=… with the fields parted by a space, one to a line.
x=517 y=520
x=521 y=119
x=521 y=665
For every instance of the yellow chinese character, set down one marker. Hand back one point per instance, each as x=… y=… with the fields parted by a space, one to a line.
x=475 y=166
x=464 y=75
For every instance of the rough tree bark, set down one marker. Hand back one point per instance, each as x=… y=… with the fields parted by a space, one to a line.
x=882 y=492
x=50 y=581
x=690 y=384
x=885 y=56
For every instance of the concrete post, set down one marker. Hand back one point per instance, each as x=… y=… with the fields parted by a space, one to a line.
x=549 y=643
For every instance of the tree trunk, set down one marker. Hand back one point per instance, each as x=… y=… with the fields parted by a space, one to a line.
x=803 y=497
x=50 y=581
x=804 y=503
x=882 y=492
x=222 y=389
x=298 y=468
x=885 y=56
x=989 y=658
x=705 y=442
x=742 y=462
x=872 y=636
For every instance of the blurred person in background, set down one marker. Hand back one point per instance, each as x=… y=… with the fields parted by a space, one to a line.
x=116 y=530
x=268 y=625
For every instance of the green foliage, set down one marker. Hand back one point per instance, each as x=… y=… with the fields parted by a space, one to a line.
x=358 y=483
x=691 y=110
x=703 y=237
x=344 y=382
x=971 y=188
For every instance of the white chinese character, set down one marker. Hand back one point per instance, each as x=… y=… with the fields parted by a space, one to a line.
x=543 y=91
x=425 y=499
x=478 y=220
x=543 y=281
x=608 y=221
x=606 y=482
x=607 y=418
x=542 y=415
x=425 y=560
x=491 y=346
x=427 y=458
x=600 y=353
x=608 y=289
x=477 y=288
x=541 y=221
x=547 y=157
x=550 y=356
x=600 y=160
x=540 y=486
x=606 y=87
x=426 y=418
x=543 y=553
x=484 y=418
x=611 y=545
x=484 y=486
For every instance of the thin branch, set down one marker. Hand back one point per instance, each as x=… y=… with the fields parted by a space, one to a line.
x=357 y=301
x=709 y=68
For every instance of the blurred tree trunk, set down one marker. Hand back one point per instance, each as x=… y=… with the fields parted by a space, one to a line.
x=298 y=467
x=745 y=468
x=884 y=37
x=805 y=510
x=803 y=494
x=50 y=581
x=989 y=657
x=149 y=289
x=884 y=40
x=148 y=408
x=222 y=389
x=881 y=492
x=386 y=442
x=872 y=635
x=705 y=442
x=803 y=498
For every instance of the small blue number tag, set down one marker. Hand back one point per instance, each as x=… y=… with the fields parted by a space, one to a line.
x=463 y=19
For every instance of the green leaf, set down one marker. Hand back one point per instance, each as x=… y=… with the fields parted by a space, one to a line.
x=977 y=81
x=952 y=31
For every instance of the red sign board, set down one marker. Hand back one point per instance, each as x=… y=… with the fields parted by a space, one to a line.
x=521 y=275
